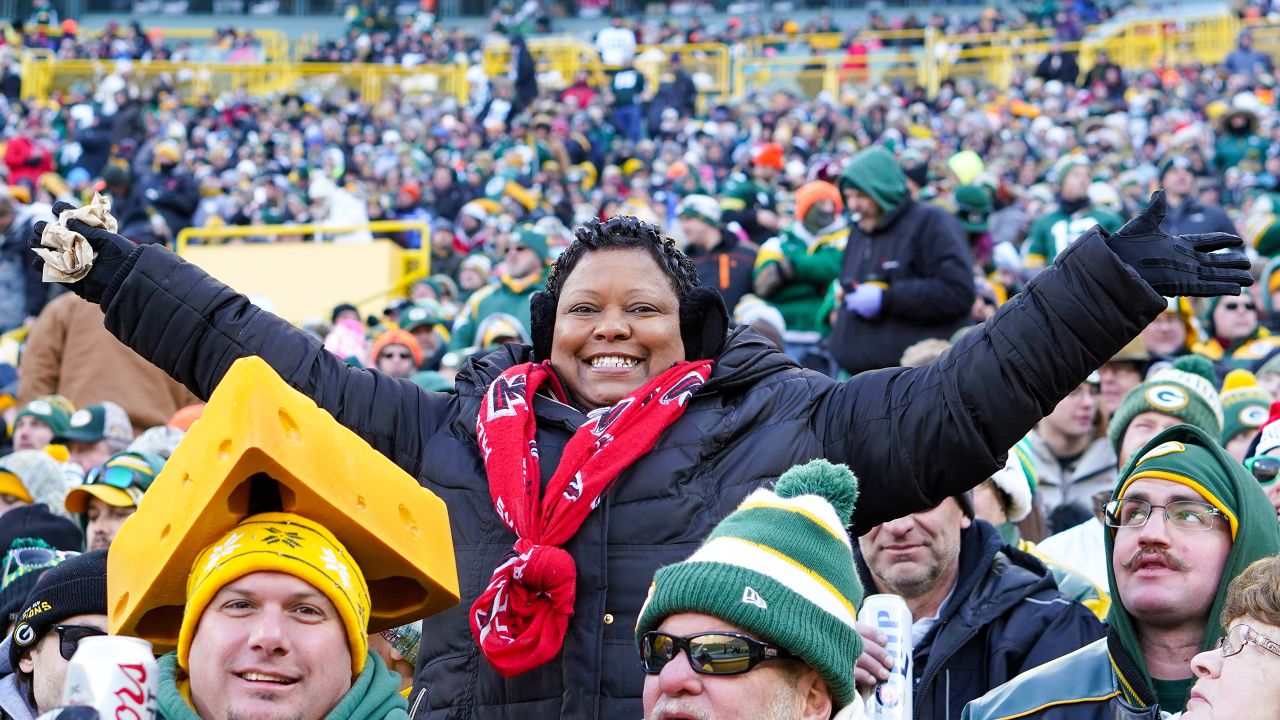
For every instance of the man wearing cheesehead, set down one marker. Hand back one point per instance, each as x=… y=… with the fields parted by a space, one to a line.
x=1184 y=520
x=274 y=621
x=275 y=626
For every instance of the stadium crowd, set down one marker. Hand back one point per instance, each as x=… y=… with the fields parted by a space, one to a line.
x=875 y=228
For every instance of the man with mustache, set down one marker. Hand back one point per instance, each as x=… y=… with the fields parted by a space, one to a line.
x=1184 y=520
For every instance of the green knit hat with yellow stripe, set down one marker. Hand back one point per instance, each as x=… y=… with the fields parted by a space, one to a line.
x=1187 y=455
x=780 y=567
x=1185 y=390
x=1245 y=404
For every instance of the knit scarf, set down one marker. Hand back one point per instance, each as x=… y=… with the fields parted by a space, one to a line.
x=519 y=621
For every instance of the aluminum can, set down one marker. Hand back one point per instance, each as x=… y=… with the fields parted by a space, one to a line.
x=406 y=640
x=891 y=699
x=116 y=676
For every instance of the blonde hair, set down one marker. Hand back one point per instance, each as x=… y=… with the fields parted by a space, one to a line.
x=1255 y=593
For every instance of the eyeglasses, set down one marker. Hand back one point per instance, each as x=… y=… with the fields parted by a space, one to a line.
x=1182 y=514
x=515 y=248
x=719 y=653
x=20 y=561
x=69 y=637
x=394 y=355
x=1237 y=637
x=1264 y=468
x=1232 y=305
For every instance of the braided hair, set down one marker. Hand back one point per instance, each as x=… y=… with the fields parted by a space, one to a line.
x=625 y=231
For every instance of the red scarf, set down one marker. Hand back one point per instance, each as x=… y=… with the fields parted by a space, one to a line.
x=519 y=621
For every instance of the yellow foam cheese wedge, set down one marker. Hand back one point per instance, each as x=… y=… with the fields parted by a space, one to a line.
x=263 y=446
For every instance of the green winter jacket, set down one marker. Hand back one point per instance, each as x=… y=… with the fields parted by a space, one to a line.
x=814 y=261
x=375 y=695
x=508 y=296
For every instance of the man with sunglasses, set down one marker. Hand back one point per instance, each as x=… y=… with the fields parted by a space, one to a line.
x=760 y=621
x=396 y=353
x=1264 y=457
x=1237 y=337
x=111 y=493
x=68 y=604
x=524 y=264
x=1184 y=521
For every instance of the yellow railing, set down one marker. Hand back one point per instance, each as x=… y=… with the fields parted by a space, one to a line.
x=43 y=74
x=563 y=55
x=804 y=63
x=301 y=278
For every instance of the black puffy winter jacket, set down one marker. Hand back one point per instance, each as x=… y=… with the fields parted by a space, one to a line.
x=1004 y=616
x=913 y=436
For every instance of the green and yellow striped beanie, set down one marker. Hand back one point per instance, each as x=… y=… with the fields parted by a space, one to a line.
x=781 y=568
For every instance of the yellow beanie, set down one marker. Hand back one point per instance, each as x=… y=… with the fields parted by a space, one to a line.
x=285 y=543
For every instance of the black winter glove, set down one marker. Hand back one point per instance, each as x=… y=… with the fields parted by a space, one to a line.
x=1180 y=264
x=110 y=251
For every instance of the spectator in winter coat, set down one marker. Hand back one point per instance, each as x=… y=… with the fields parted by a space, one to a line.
x=723 y=261
x=447 y=196
x=523 y=73
x=983 y=611
x=1186 y=213
x=170 y=190
x=526 y=258
x=67 y=605
x=70 y=353
x=21 y=296
x=732 y=600
x=1185 y=518
x=1058 y=65
x=1245 y=60
x=623 y=321
x=795 y=269
x=906 y=274
x=1052 y=232
x=27 y=160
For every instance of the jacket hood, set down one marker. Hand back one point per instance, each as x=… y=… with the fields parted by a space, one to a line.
x=745 y=357
x=374 y=695
x=875 y=172
x=1225 y=483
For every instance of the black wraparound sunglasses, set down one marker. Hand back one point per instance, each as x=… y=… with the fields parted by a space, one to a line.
x=711 y=653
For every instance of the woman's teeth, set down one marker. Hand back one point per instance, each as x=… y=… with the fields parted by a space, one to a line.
x=613 y=361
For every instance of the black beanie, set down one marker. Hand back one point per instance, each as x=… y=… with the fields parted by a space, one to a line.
x=342 y=307
x=78 y=586
x=38 y=522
